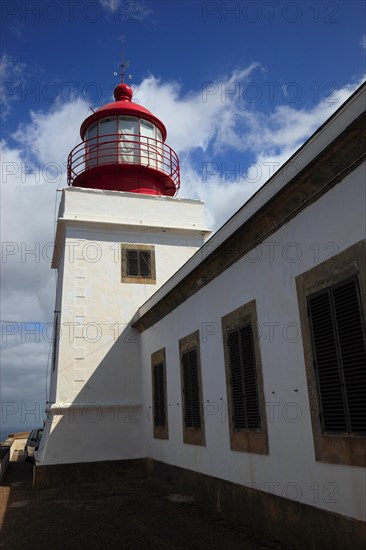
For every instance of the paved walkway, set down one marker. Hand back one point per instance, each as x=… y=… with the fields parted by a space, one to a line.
x=138 y=514
x=18 y=470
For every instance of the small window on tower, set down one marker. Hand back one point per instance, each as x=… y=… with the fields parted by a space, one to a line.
x=138 y=264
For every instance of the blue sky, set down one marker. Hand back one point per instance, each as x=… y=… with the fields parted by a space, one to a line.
x=67 y=46
x=239 y=85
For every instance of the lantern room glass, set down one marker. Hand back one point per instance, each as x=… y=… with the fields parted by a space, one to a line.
x=91 y=157
x=148 y=153
x=128 y=148
x=107 y=150
x=123 y=140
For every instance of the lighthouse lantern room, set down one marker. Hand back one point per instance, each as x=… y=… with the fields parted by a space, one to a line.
x=123 y=149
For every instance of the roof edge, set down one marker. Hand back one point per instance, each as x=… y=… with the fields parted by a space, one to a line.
x=312 y=155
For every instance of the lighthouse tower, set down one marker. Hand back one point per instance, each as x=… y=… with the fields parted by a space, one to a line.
x=120 y=236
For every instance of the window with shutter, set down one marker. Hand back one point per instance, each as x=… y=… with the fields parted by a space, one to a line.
x=144 y=262
x=192 y=416
x=159 y=395
x=247 y=418
x=331 y=298
x=243 y=379
x=339 y=351
x=138 y=264
x=193 y=425
x=132 y=263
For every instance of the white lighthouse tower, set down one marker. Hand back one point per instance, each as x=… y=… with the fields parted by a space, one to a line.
x=120 y=236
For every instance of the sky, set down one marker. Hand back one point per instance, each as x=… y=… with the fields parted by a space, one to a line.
x=240 y=85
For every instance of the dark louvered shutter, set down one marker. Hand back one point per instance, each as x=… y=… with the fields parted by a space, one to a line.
x=332 y=406
x=243 y=379
x=139 y=263
x=159 y=395
x=132 y=263
x=237 y=382
x=339 y=350
x=144 y=261
x=191 y=389
x=250 y=378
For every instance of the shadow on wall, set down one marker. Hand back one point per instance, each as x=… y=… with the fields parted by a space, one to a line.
x=104 y=420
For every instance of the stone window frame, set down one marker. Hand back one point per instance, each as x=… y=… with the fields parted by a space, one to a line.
x=245 y=440
x=158 y=358
x=333 y=449
x=192 y=436
x=125 y=277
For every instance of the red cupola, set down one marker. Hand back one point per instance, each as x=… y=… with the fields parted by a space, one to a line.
x=124 y=149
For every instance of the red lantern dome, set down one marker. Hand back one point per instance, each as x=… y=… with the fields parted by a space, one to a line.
x=124 y=149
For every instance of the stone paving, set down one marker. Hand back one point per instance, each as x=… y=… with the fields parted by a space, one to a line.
x=135 y=514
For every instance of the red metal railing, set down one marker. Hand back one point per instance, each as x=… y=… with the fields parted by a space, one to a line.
x=129 y=149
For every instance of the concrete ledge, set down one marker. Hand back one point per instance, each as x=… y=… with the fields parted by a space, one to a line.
x=88 y=472
x=304 y=526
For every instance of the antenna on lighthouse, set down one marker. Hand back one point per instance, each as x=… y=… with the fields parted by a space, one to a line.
x=124 y=66
x=123 y=62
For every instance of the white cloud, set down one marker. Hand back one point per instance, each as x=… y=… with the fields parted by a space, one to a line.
x=50 y=136
x=206 y=124
x=11 y=76
x=28 y=284
x=10 y=68
x=198 y=119
x=215 y=122
x=127 y=11
x=363 y=42
x=110 y=5
x=31 y=175
x=25 y=366
x=25 y=361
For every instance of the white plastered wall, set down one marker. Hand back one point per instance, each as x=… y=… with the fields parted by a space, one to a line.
x=267 y=274
x=95 y=398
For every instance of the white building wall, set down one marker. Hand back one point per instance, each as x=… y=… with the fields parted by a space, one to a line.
x=267 y=274
x=95 y=409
